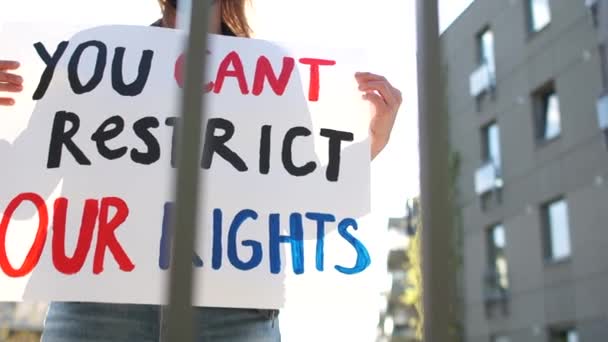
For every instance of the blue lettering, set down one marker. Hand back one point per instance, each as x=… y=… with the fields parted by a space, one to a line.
x=164 y=255
x=363 y=258
x=295 y=239
x=216 y=249
x=256 y=247
x=321 y=220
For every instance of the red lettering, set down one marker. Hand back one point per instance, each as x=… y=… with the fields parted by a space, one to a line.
x=63 y=263
x=264 y=71
x=231 y=60
x=106 y=237
x=33 y=256
x=178 y=73
x=314 y=87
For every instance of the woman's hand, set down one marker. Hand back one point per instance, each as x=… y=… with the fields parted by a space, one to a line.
x=385 y=100
x=9 y=82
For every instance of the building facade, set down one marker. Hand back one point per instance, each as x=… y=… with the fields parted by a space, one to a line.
x=399 y=318
x=525 y=95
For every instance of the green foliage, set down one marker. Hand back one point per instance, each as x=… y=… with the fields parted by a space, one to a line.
x=458 y=243
x=413 y=292
x=414 y=287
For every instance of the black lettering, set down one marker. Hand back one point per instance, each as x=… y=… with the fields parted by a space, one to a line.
x=138 y=85
x=335 y=148
x=59 y=138
x=217 y=144
x=103 y=134
x=142 y=130
x=173 y=122
x=51 y=63
x=265 y=149
x=100 y=66
x=287 y=154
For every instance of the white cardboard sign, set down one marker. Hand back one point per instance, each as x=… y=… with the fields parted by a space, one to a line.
x=87 y=168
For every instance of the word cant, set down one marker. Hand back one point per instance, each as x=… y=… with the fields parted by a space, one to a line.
x=256 y=252
x=231 y=66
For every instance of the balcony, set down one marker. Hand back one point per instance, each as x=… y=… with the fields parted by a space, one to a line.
x=397 y=260
x=487 y=178
x=602 y=112
x=482 y=79
x=495 y=295
x=590 y=3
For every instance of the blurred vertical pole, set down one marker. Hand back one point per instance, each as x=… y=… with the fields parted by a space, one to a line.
x=179 y=320
x=434 y=177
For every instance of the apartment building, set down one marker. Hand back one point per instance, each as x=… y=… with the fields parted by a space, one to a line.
x=526 y=99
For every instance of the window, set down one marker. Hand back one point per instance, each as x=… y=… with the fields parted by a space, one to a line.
x=500 y=338
x=603 y=54
x=556 y=230
x=563 y=335
x=483 y=78
x=485 y=46
x=497 y=258
x=490 y=144
x=547 y=114
x=539 y=14
x=592 y=5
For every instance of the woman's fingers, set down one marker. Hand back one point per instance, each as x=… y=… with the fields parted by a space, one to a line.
x=383 y=88
x=6 y=101
x=386 y=101
x=11 y=88
x=9 y=65
x=372 y=82
x=368 y=76
x=9 y=82
x=375 y=99
x=7 y=77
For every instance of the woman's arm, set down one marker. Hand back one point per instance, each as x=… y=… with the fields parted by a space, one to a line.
x=20 y=169
x=385 y=100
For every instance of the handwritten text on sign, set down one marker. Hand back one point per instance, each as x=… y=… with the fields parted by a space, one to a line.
x=284 y=149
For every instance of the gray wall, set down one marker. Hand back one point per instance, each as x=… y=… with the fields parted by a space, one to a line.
x=574 y=165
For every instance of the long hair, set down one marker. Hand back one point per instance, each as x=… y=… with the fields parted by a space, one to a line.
x=233 y=14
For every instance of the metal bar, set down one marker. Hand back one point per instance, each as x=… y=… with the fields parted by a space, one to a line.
x=179 y=319
x=437 y=242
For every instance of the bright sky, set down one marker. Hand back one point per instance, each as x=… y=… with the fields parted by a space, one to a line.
x=386 y=28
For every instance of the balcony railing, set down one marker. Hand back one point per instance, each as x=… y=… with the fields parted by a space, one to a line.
x=482 y=79
x=590 y=3
x=494 y=294
x=493 y=288
x=487 y=178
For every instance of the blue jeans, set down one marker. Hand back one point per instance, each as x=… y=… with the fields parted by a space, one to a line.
x=71 y=322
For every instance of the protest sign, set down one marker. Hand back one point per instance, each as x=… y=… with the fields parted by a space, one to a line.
x=86 y=182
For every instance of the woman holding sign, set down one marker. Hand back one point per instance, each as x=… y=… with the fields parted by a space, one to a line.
x=123 y=322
